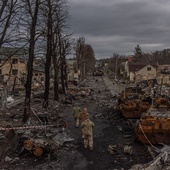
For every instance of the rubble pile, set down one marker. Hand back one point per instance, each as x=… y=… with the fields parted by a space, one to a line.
x=50 y=140
x=44 y=134
x=162 y=161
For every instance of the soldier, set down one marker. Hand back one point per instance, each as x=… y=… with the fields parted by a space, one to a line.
x=76 y=114
x=83 y=116
x=88 y=125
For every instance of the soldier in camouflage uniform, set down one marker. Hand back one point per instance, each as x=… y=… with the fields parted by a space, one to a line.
x=88 y=125
x=76 y=114
x=83 y=116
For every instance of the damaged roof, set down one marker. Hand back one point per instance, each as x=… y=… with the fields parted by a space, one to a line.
x=133 y=67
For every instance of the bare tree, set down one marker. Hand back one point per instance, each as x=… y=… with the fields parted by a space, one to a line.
x=114 y=65
x=79 y=48
x=85 y=57
x=89 y=58
x=10 y=14
x=9 y=10
x=32 y=9
x=63 y=39
x=47 y=7
x=55 y=17
x=65 y=48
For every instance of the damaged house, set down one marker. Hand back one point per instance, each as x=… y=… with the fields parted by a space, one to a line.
x=140 y=71
x=13 y=66
x=73 y=73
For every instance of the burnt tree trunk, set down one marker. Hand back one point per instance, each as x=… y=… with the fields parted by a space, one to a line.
x=56 y=79
x=62 y=76
x=13 y=87
x=65 y=74
x=56 y=87
x=9 y=14
x=48 y=56
x=30 y=63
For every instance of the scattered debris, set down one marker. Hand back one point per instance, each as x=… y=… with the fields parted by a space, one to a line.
x=10 y=100
x=112 y=149
x=128 y=149
x=54 y=146
x=162 y=161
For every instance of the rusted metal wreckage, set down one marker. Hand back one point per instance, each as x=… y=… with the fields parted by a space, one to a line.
x=133 y=102
x=38 y=145
x=152 y=114
x=154 y=125
x=30 y=146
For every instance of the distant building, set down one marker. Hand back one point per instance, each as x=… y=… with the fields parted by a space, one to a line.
x=12 y=65
x=72 y=70
x=38 y=75
x=140 y=71
x=38 y=70
x=13 y=68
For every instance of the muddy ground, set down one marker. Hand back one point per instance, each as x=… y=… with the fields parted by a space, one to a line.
x=111 y=131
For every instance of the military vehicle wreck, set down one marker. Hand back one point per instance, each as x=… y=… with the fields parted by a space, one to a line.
x=154 y=126
x=133 y=102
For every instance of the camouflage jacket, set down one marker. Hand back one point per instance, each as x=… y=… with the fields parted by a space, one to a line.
x=84 y=116
x=76 y=112
x=88 y=125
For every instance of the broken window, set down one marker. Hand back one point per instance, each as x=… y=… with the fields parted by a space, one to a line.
x=22 y=79
x=148 y=68
x=1 y=78
x=14 y=72
x=14 y=61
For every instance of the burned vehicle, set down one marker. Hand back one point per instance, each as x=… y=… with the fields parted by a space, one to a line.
x=128 y=92
x=154 y=126
x=133 y=102
x=134 y=108
x=98 y=72
x=162 y=101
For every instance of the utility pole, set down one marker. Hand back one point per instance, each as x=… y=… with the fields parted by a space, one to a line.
x=84 y=68
x=116 y=58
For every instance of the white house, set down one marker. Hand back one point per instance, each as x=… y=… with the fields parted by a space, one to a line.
x=141 y=71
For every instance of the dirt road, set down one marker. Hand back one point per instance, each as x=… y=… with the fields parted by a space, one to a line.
x=110 y=129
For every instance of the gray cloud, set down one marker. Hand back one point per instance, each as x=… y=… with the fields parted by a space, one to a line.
x=119 y=25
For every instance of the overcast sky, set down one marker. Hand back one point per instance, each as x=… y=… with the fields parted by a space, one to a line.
x=117 y=26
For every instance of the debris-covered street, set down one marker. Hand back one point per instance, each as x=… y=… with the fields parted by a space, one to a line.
x=84 y=86
x=115 y=146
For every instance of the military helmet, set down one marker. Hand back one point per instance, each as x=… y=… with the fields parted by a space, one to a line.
x=85 y=109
